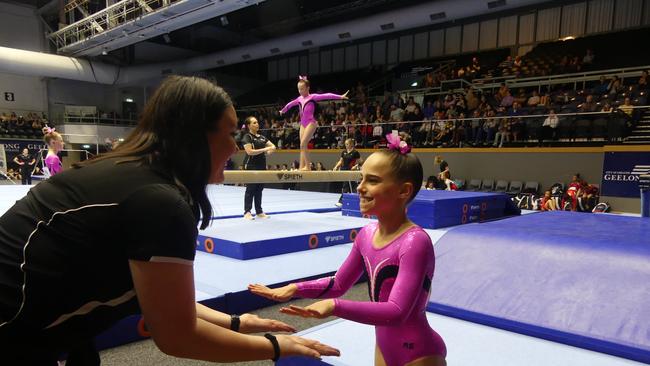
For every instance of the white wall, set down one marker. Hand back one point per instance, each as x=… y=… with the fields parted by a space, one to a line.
x=29 y=93
x=20 y=28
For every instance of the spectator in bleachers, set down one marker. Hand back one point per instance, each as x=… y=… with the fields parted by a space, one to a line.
x=472 y=100
x=627 y=107
x=502 y=92
x=521 y=97
x=503 y=133
x=396 y=113
x=534 y=100
x=642 y=84
x=489 y=126
x=507 y=100
x=615 y=86
x=428 y=110
x=429 y=80
x=548 y=131
x=588 y=59
x=588 y=106
x=602 y=87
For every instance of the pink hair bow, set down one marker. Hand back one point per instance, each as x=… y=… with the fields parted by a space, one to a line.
x=300 y=77
x=394 y=143
x=48 y=129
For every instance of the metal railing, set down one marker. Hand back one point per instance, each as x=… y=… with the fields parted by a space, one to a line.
x=97 y=120
x=538 y=81
x=108 y=18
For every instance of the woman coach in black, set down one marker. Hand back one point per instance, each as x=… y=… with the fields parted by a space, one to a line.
x=257 y=147
x=116 y=236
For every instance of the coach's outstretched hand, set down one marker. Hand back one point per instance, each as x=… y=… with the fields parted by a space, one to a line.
x=298 y=346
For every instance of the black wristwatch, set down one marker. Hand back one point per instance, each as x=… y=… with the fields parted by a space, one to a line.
x=276 y=346
x=235 y=322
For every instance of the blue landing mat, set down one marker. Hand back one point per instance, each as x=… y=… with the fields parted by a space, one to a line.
x=574 y=278
x=436 y=209
x=246 y=239
x=228 y=201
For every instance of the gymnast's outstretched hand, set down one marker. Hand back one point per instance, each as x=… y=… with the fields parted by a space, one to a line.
x=251 y=323
x=282 y=294
x=345 y=95
x=319 y=310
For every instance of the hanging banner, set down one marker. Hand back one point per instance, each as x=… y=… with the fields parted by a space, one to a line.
x=621 y=171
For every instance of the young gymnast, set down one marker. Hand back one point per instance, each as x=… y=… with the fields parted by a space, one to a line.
x=54 y=143
x=307 y=104
x=397 y=257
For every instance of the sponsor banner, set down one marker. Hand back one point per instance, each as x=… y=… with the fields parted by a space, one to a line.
x=621 y=172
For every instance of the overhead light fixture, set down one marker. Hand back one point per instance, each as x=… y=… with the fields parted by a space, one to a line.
x=224 y=20
x=120 y=139
x=128 y=100
x=567 y=38
x=104 y=52
x=86 y=146
x=414 y=84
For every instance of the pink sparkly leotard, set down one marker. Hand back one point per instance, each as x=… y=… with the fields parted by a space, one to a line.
x=53 y=164
x=399 y=279
x=308 y=106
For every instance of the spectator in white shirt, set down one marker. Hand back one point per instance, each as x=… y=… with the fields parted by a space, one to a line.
x=549 y=128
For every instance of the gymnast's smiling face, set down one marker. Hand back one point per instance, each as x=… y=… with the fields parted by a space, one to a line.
x=222 y=144
x=381 y=193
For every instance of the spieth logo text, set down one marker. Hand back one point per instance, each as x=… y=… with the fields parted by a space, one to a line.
x=334 y=238
x=289 y=176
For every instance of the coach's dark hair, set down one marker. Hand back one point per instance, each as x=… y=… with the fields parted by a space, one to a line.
x=172 y=132
x=406 y=168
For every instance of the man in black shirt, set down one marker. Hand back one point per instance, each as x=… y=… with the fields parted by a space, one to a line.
x=26 y=163
x=257 y=147
x=348 y=159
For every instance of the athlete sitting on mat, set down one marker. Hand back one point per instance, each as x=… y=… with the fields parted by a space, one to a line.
x=398 y=257
x=116 y=236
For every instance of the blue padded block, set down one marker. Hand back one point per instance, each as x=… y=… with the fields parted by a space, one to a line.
x=580 y=279
x=243 y=239
x=436 y=209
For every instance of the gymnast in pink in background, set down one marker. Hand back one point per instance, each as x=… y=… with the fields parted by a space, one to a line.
x=307 y=104
x=55 y=144
x=398 y=259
